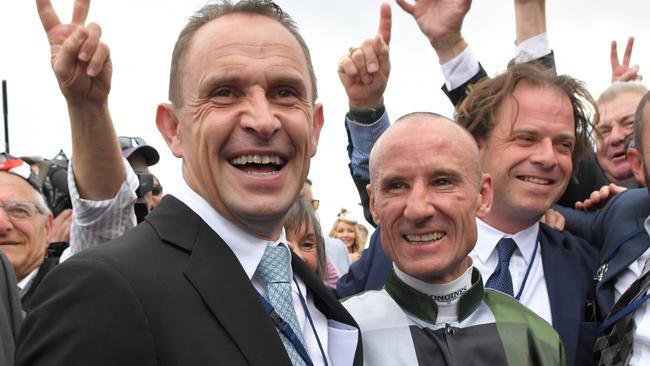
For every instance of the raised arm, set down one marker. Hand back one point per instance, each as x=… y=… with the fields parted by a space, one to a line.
x=364 y=75
x=82 y=65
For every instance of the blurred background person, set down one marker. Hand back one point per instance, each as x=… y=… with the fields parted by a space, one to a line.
x=305 y=238
x=335 y=250
x=345 y=229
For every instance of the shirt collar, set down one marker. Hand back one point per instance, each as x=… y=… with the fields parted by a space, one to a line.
x=488 y=237
x=247 y=248
x=26 y=283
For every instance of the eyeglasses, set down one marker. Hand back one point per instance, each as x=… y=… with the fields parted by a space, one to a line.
x=21 y=210
x=126 y=142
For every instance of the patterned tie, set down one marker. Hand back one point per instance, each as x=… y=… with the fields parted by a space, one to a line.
x=615 y=348
x=274 y=269
x=501 y=279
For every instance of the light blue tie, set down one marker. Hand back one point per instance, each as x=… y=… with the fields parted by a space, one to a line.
x=501 y=279
x=274 y=269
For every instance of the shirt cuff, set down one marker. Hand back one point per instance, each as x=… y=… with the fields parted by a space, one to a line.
x=460 y=69
x=363 y=137
x=532 y=49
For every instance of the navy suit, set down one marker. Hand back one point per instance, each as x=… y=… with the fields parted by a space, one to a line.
x=618 y=224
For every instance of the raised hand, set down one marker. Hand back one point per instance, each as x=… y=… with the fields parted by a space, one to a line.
x=80 y=61
x=623 y=72
x=438 y=19
x=364 y=70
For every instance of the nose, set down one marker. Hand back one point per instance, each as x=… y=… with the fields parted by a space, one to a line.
x=545 y=154
x=259 y=119
x=5 y=222
x=419 y=204
x=618 y=134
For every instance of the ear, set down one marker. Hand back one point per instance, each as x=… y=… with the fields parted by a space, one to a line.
x=485 y=196
x=319 y=119
x=49 y=224
x=168 y=125
x=373 y=208
x=634 y=158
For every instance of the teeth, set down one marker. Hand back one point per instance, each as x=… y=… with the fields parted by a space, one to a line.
x=262 y=174
x=536 y=180
x=257 y=159
x=426 y=237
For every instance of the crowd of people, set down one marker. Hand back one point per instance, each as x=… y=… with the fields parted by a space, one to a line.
x=516 y=233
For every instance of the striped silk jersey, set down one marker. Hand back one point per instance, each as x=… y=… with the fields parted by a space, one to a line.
x=398 y=327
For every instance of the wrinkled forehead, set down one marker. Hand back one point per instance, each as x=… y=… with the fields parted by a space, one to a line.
x=242 y=38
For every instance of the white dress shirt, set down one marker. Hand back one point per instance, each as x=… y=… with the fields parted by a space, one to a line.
x=534 y=294
x=641 y=340
x=249 y=251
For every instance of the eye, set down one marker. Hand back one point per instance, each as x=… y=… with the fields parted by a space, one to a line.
x=286 y=93
x=396 y=186
x=19 y=210
x=442 y=182
x=307 y=246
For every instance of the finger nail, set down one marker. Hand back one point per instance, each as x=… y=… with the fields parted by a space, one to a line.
x=83 y=56
x=372 y=67
x=367 y=79
x=91 y=71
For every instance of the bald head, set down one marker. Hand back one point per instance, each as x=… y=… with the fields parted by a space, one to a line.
x=436 y=128
x=426 y=191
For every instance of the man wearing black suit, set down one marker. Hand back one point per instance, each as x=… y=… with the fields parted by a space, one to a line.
x=186 y=286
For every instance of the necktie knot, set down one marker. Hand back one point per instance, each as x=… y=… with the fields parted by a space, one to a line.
x=274 y=266
x=505 y=248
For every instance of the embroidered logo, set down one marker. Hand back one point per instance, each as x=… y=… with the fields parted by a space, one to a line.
x=448 y=298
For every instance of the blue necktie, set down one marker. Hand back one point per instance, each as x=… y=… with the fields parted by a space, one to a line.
x=274 y=269
x=501 y=279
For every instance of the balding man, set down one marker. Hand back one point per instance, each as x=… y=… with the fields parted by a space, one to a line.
x=434 y=308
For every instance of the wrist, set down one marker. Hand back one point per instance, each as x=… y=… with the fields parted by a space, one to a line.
x=449 y=47
x=366 y=115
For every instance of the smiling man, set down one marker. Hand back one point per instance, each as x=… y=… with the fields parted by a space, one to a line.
x=531 y=127
x=434 y=309
x=207 y=278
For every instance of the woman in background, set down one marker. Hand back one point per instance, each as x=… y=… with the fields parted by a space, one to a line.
x=345 y=229
x=305 y=237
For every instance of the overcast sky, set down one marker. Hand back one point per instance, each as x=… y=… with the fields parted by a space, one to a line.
x=141 y=35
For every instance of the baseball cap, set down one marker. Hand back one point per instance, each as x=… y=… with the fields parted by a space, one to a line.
x=13 y=165
x=130 y=145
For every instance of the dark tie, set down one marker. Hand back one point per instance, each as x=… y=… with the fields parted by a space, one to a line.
x=615 y=347
x=501 y=279
x=274 y=269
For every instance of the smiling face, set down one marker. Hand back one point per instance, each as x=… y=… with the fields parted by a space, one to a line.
x=23 y=241
x=615 y=125
x=425 y=194
x=346 y=232
x=530 y=158
x=248 y=126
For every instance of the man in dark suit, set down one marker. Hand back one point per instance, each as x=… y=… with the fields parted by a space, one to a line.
x=196 y=284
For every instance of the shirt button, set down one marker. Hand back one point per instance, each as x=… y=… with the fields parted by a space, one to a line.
x=449 y=329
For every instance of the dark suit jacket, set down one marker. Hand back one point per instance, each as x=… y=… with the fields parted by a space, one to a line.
x=618 y=224
x=169 y=292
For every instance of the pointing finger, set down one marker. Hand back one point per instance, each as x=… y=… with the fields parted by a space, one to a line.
x=385 y=22
x=628 y=51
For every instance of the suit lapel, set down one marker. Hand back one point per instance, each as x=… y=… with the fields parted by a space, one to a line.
x=628 y=252
x=562 y=286
x=216 y=274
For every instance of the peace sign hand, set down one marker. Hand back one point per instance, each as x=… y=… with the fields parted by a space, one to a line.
x=80 y=61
